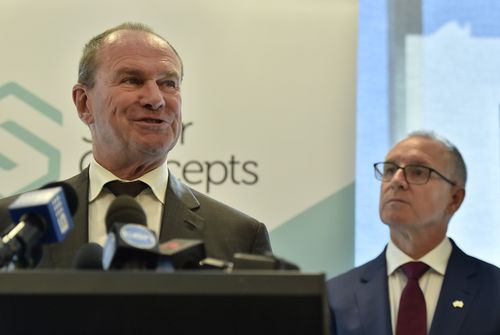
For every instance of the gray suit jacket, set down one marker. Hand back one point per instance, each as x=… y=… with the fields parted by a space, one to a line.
x=359 y=299
x=187 y=214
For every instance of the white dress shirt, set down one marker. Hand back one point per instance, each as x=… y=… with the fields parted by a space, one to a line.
x=151 y=199
x=430 y=282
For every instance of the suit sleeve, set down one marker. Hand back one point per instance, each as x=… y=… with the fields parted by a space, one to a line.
x=261 y=244
x=333 y=326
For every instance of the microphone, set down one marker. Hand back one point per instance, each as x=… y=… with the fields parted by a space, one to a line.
x=43 y=217
x=88 y=257
x=124 y=209
x=69 y=194
x=130 y=244
x=184 y=254
x=211 y=263
x=243 y=261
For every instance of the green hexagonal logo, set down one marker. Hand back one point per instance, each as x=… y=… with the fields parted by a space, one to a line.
x=21 y=133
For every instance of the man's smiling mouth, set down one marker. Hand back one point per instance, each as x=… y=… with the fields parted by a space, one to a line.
x=152 y=120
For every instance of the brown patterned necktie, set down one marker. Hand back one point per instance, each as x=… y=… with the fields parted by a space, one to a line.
x=412 y=314
x=132 y=188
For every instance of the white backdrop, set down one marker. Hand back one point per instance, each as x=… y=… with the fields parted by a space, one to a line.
x=268 y=105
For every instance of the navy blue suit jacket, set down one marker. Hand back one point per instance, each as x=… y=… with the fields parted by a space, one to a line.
x=359 y=299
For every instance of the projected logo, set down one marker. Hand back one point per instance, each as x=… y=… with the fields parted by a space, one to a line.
x=27 y=160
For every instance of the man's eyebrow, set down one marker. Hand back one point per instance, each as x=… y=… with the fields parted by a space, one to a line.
x=137 y=73
x=170 y=74
x=411 y=161
x=418 y=162
x=128 y=72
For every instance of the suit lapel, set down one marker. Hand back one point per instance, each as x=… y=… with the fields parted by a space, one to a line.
x=460 y=286
x=179 y=219
x=373 y=302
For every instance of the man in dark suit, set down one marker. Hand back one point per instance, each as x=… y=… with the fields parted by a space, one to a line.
x=423 y=184
x=128 y=93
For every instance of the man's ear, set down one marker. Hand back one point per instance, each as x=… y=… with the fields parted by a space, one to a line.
x=457 y=197
x=82 y=103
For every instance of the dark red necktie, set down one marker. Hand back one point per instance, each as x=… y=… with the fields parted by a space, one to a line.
x=412 y=314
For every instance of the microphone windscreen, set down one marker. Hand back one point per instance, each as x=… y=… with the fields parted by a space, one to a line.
x=125 y=209
x=69 y=194
x=88 y=257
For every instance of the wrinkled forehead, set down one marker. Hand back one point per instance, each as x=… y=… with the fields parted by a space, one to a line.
x=419 y=150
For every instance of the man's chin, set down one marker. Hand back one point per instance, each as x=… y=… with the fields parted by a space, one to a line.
x=395 y=220
x=154 y=147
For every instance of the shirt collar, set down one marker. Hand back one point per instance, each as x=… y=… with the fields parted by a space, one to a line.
x=437 y=258
x=156 y=179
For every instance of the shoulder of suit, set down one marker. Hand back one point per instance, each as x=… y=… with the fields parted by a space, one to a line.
x=207 y=204
x=356 y=273
x=83 y=176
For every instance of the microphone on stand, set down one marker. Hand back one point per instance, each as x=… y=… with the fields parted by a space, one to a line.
x=130 y=244
x=181 y=254
x=43 y=216
x=88 y=257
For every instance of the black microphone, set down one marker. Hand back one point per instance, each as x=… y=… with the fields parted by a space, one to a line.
x=124 y=209
x=243 y=261
x=181 y=254
x=43 y=217
x=130 y=244
x=88 y=257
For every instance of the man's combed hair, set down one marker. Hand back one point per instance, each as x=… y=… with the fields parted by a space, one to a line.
x=459 y=167
x=88 y=61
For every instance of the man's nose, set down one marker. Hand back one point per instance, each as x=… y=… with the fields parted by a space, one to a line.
x=399 y=179
x=152 y=97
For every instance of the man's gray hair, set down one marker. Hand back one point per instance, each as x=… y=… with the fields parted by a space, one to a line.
x=459 y=167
